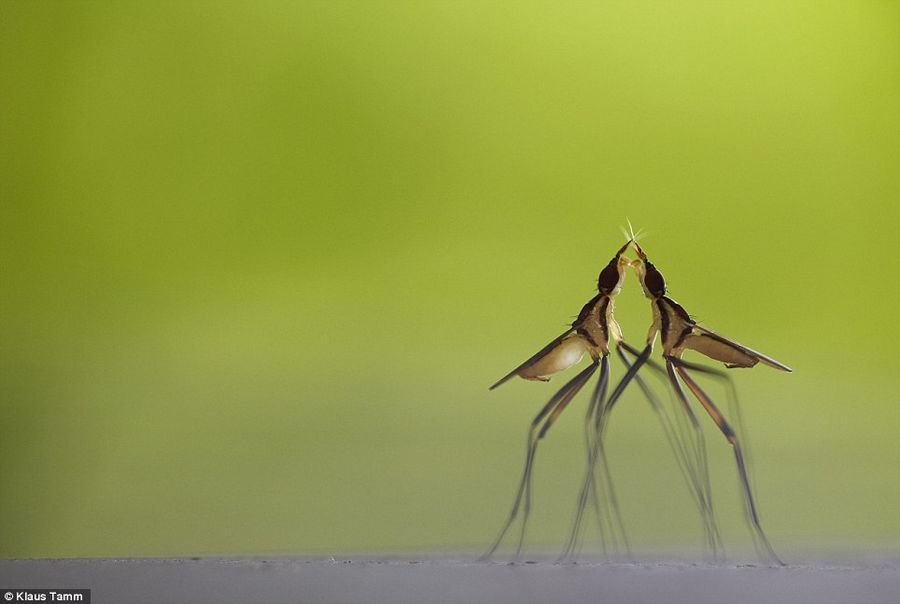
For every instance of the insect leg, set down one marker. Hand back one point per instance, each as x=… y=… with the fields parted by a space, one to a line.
x=626 y=379
x=588 y=486
x=596 y=452
x=557 y=401
x=691 y=457
x=733 y=405
x=599 y=452
x=732 y=438
x=700 y=472
x=636 y=353
x=610 y=492
x=677 y=442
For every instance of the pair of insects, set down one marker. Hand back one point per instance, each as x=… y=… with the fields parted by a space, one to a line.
x=593 y=333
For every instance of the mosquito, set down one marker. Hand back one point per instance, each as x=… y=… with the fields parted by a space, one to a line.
x=590 y=334
x=679 y=332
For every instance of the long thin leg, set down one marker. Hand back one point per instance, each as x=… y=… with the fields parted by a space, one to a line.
x=599 y=396
x=601 y=454
x=636 y=353
x=576 y=384
x=603 y=520
x=734 y=406
x=600 y=426
x=626 y=379
x=732 y=438
x=688 y=465
x=588 y=486
x=551 y=412
x=694 y=468
x=597 y=401
x=610 y=492
x=700 y=474
x=596 y=452
x=678 y=429
x=675 y=443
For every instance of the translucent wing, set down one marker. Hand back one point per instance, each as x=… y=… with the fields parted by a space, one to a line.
x=536 y=358
x=731 y=353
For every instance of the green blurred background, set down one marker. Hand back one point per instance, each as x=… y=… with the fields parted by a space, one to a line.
x=260 y=262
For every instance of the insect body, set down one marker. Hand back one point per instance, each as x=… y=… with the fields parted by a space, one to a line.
x=591 y=334
x=678 y=333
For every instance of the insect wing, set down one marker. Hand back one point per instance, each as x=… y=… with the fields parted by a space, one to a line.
x=741 y=348
x=533 y=359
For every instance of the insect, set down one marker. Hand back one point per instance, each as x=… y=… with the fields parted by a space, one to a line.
x=679 y=332
x=591 y=333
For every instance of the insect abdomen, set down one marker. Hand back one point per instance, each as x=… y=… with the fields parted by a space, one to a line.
x=565 y=354
x=719 y=350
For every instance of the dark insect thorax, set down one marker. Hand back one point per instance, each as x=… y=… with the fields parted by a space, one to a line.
x=669 y=309
x=583 y=324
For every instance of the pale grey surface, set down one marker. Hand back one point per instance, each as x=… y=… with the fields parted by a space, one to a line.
x=292 y=580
